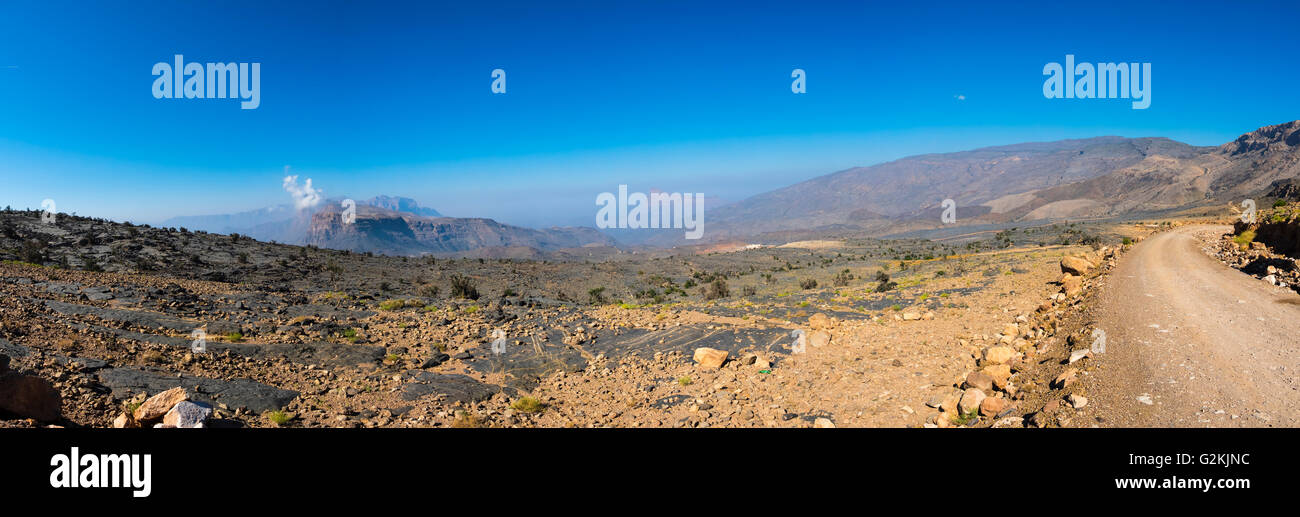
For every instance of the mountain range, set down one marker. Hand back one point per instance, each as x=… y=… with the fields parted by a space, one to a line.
x=1094 y=177
x=1098 y=177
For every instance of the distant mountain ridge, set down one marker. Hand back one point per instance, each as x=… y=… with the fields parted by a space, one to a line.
x=283 y=223
x=380 y=230
x=1093 y=177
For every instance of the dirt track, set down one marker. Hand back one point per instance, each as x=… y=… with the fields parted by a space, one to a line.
x=1210 y=346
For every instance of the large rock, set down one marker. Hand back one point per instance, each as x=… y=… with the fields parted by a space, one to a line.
x=1012 y=330
x=971 y=400
x=158 y=405
x=978 y=380
x=187 y=415
x=710 y=357
x=453 y=387
x=999 y=373
x=999 y=354
x=991 y=406
x=29 y=396
x=1071 y=285
x=1075 y=265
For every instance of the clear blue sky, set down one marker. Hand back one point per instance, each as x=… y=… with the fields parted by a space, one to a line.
x=373 y=98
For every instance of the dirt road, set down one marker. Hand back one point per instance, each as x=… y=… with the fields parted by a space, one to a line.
x=1193 y=343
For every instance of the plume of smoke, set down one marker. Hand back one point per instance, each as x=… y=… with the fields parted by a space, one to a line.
x=304 y=196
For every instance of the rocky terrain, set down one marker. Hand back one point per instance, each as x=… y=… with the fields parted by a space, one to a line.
x=98 y=318
x=1266 y=247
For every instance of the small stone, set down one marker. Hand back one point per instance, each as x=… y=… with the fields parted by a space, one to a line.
x=1010 y=421
x=819 y=321
x=434 y=361
x=1078 y=355
x=1065 y=379
x=1078 y=401
x=823 y=423
x=187 y=415
x=124 y=421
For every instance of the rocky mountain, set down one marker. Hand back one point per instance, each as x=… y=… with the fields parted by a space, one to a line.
x=282 y=223
x=392 y=232
x=1094 y=177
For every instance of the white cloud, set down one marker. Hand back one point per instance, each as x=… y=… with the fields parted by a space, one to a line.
x=304 y=195
x=959 y=97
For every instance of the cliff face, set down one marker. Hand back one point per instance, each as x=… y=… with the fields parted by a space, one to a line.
x=395 y=233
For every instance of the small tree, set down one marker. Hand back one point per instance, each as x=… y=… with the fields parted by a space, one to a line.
x=463 y=287
x=717 y=289
x=596 y=296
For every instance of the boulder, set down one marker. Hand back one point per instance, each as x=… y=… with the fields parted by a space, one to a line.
x=999 y=374
x=158 y=405
x=1071 y=285
x=1075 y=265
x=991 y=406
x=29 y=396
x=971 y=400
x=710 y=357
x=978 y=380
x=999 y=354
x=187 y=415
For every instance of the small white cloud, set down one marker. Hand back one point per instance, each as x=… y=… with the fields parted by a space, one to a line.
x=304 y=195
x=959 y=97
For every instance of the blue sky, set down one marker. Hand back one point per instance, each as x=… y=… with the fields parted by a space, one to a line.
x=378 y=98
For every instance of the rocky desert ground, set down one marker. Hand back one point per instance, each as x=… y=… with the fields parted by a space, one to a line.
x=112 y=325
